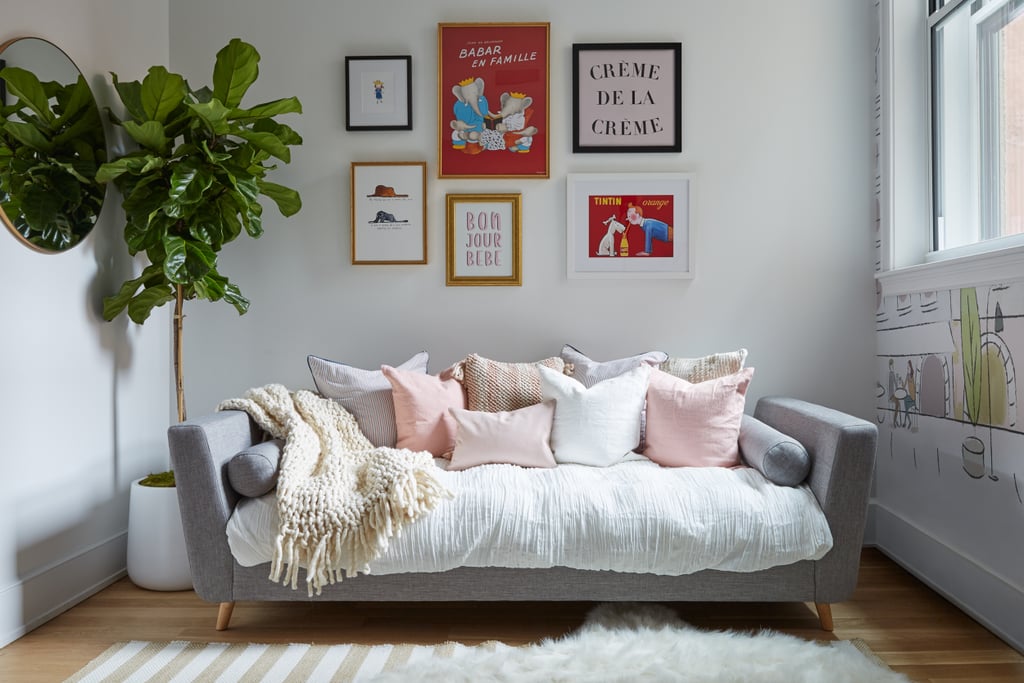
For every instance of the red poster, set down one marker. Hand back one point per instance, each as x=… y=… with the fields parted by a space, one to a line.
x=630 y=226
x=493 y=100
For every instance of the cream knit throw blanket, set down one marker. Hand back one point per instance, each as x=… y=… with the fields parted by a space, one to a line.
x=340 y=498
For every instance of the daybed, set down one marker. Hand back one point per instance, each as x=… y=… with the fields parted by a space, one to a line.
x=841 y=450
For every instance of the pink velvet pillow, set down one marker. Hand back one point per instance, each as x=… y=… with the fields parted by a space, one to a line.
x=695 y=425
x=422 y=421
x=516 y=437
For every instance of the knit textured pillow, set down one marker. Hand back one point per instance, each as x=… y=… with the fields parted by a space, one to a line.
x=707 y=367
x=494 y=386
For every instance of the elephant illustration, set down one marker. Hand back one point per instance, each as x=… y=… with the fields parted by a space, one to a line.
x=385 y=217
x=470 y=110
x=512 y=119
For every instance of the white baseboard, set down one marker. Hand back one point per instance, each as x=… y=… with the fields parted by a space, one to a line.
x=54 y=589
x=990 y=599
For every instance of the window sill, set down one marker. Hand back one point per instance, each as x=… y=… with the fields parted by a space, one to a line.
x=965 y=271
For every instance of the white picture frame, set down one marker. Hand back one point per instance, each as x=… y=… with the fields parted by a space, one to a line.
x=652 y=211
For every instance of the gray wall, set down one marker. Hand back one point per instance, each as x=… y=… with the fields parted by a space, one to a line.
x=85 y=403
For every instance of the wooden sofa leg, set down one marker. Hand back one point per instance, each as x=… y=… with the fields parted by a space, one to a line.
x=824 y=615
x=224 y=615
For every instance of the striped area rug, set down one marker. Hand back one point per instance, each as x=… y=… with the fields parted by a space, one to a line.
x=185 y=662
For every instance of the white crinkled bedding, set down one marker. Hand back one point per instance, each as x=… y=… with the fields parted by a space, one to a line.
x=631 y=517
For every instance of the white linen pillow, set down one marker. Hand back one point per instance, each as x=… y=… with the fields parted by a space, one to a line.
x=597 y=426
x=514 y=437
x=364 y=393
x=590 y=371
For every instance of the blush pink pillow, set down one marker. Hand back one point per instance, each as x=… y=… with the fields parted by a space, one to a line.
x=516 y=437
x=422 y=421
x=695 y=425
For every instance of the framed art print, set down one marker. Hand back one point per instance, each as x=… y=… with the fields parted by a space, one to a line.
x=378 y=93
x=493 y=119
x=627 y=97
x=389 y=212
x=483 y=240
x=629 y=225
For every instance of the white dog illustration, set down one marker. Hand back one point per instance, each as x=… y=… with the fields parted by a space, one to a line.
x=607 y=246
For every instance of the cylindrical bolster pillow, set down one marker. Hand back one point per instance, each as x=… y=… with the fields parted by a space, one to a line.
x=781 y=459
x=253 y=471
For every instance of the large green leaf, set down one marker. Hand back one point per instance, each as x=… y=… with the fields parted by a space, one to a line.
x=284 y=133
x=287 y=105
x=149 y=134
x=214 y=114
x=29 y=135
x=268 y=142
x=140 y=307
x=26 y=87
x=236 y=69
x=79 y=98
x=131 y=96
x=188 y=182
x=113 y=305
x=137 y=165
x=287 y=200
x=162 y=93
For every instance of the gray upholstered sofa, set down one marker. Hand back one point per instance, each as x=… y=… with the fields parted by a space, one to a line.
x=842 y=449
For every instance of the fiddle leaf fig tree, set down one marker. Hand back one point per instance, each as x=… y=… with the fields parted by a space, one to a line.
x=194 y=183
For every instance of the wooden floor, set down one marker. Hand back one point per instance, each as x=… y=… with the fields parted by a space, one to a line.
x=909 y=626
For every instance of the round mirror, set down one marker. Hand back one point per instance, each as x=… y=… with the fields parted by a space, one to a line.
x=51 y=143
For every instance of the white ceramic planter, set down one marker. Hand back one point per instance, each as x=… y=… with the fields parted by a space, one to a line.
x=157 y=559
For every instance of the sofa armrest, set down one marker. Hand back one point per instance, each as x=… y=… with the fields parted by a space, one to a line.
x=842 y=450
x=200 y=450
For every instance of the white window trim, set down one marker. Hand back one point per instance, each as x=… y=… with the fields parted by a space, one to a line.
x=990 y=267
x=905 y=198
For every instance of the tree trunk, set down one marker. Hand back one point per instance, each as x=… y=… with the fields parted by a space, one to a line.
x=179 y=379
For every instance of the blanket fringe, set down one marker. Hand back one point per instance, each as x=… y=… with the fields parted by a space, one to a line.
x=340 y=500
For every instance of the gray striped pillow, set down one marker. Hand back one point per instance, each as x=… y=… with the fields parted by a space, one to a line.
x=364 y=393
x=589 y=372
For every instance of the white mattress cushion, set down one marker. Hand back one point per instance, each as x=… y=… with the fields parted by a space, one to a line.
x=632 y=517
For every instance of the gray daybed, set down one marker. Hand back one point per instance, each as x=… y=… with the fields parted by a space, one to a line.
x=842 y=449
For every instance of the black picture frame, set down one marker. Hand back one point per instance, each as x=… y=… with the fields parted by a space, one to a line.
x=385 y=107
x=3 y=86
x=627 y=97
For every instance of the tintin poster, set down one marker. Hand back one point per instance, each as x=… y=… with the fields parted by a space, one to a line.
x=629 y=225
x=493 y=100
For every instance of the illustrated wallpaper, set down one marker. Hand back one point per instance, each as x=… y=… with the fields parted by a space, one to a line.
x=951 y=438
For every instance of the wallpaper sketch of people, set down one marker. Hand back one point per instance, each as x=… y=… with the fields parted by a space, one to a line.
x=948 y=379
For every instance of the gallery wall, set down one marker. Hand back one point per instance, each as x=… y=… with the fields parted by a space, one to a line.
x=779 y=142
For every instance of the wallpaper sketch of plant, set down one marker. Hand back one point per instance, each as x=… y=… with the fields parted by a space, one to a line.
x=948 y=378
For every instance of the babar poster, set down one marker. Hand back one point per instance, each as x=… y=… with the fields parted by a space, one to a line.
x=493 y=100
x=630 y=226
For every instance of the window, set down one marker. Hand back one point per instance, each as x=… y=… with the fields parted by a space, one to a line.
x=977 y=105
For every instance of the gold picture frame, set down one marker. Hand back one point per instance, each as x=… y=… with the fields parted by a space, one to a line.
x=389 y=212
x=484 y=240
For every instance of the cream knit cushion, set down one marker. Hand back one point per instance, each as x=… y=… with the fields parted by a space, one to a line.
x=494 y=386
x=707 y=367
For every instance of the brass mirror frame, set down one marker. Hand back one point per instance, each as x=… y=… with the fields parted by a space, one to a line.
x=101 y=147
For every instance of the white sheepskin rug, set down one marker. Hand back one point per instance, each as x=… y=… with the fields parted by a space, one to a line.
x=639 y=643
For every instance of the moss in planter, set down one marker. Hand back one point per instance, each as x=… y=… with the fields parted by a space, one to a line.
x=160 y=479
